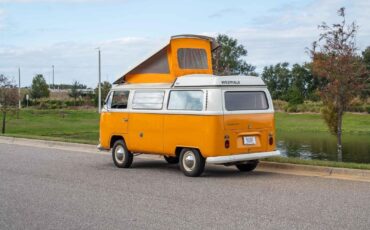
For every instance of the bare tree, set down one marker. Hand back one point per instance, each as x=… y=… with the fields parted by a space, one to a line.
x=8 y=98
x=335 y=58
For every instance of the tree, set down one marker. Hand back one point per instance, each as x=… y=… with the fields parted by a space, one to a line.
x=75 y=91
x=39 y=88
x=366 y=59
x=334 y=58
x=228 y=58
x=105 y=88
x=278 y=80
x=8 y=98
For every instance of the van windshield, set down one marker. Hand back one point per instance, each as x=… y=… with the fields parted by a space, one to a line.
x=245 y=100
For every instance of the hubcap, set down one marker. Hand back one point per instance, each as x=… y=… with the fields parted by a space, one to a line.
x=188 y=161
x=119 y=154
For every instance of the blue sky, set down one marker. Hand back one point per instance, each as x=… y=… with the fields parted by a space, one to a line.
x=36 y=34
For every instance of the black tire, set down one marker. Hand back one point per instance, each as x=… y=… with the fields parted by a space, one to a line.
x=122 y=158
x=172 y=160
x=248 y=166
x=193 y=156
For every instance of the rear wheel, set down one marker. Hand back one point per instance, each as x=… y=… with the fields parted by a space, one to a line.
x=171 y=160
x=192 y=162
x=248 y=166
x=122 y=158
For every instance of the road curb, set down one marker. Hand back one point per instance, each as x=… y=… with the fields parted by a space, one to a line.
x=285 y=168
x=310 y=170
x=49 y=144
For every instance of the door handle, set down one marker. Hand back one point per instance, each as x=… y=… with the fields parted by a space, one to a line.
x=125 y=119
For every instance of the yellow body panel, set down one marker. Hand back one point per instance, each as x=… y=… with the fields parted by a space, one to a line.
x=112 y=124
x=149 y=78
x=146 y=133
x=163 y=133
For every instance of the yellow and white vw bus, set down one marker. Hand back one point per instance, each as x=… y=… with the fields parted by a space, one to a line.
x=191 y=120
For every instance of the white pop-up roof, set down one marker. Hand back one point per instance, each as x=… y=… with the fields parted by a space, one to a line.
x=212 y=80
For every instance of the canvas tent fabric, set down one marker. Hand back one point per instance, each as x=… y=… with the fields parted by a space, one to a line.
x=185 y=54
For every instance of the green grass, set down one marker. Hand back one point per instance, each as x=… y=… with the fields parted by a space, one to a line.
x=335 y=164
x=352 y=123
x=82 y=126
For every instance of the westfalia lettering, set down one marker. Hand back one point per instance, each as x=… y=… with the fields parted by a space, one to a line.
x=230 y=82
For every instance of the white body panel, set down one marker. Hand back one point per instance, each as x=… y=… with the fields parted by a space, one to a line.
x=213 y=88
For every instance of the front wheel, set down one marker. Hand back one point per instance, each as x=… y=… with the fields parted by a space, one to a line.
x=192 y=162
x=122 y=158
x=248 y=166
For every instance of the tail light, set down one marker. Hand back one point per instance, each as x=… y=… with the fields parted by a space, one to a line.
x=227 y=144
x=271 y=139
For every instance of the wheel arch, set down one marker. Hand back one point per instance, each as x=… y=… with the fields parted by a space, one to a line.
x=115 y=138
x=180 y=148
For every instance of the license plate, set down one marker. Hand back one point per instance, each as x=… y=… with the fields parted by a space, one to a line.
x=249 y=140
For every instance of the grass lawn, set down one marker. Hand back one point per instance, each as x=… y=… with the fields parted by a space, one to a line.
x=82 y=126
x=352 y=123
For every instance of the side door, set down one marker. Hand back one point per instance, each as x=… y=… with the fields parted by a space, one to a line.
x=146 y=121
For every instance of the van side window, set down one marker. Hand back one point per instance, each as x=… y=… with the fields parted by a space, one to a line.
x=186 y=100
x=190 y=58
x=108 y=100
x=148 y=100
x=245 y=100
x=120 y=99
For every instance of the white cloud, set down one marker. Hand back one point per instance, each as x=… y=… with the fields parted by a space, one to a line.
x=2 y=19
x=77 y=61
x=285 y=34
x=226 y=11
x=58 y=1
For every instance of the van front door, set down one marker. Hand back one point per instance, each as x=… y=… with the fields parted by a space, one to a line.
x=118 y=121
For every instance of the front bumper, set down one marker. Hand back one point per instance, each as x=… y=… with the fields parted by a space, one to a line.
x=242 y=157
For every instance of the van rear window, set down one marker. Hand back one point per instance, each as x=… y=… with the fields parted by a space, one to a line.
x=245 y=100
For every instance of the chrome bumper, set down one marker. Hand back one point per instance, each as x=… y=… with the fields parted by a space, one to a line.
x=242 y=157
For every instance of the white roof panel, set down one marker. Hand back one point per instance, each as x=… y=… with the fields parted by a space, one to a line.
x=213 y=80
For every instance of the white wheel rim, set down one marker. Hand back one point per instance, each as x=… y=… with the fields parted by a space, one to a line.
x=119 y=154
x=188 y=161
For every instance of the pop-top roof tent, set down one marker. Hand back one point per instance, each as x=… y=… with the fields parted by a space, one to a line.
x=185 y=54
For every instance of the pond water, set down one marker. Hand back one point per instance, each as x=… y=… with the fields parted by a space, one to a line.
x=322 y=146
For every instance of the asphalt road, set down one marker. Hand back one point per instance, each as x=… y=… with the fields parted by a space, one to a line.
x=54 y=189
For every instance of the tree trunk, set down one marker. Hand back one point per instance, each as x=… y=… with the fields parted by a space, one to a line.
x=4 y=118
x=339 y=135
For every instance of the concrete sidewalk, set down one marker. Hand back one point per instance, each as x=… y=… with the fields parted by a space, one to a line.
x=284 y=168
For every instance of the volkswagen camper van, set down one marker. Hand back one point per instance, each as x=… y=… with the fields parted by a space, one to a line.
x=190 y=119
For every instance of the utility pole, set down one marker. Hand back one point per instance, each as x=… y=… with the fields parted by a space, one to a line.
x=99 y=86
x=53 y=77
x=19 y=87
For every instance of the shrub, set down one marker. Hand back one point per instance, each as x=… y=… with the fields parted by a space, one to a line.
x=368 y=109
x=292 y=109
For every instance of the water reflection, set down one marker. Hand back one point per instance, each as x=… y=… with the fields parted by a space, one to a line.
x=322 y=146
